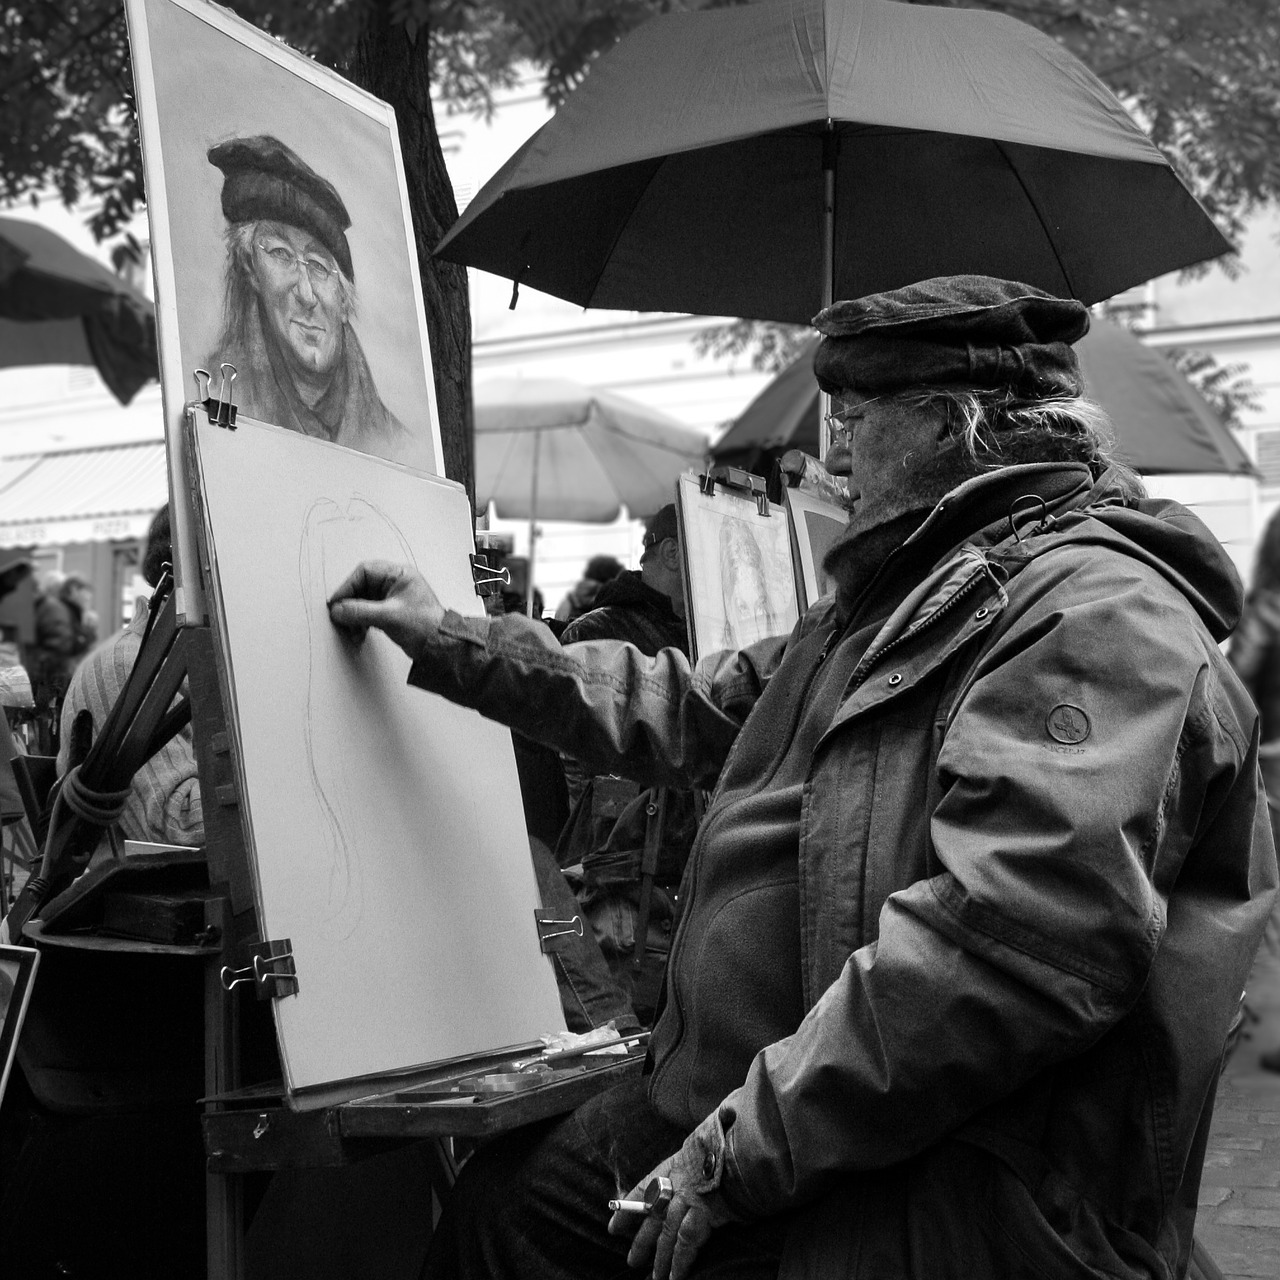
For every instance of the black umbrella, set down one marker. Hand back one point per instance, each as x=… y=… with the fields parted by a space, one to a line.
x=60 y=306
x=1162 y=424
x=755 y=160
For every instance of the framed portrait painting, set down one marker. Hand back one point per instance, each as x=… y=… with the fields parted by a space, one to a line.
x=17 y=975
x=282 y=245
x=815 y=527
x=739 y=581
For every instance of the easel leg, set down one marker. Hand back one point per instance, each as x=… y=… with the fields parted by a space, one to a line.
x=224 y=1193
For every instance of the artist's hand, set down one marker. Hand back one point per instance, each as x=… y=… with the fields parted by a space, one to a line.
x=696 y=1208
x=392 y=597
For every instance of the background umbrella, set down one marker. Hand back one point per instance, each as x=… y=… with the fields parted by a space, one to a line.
x=60 y=306
x=1162 y=424
x=754 y=160
x=550 y=448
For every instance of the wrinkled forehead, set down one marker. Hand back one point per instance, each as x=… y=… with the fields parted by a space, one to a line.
x=295 y=238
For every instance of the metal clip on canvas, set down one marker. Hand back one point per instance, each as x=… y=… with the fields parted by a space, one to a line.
x=488 y=579
x=740 y=481
x=222 y=413
x=271 y=970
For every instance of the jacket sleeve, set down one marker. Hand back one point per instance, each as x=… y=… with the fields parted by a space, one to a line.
x=603 y=702
x=1051 y=862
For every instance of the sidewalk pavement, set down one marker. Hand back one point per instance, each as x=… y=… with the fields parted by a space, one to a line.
x=1239 y=1217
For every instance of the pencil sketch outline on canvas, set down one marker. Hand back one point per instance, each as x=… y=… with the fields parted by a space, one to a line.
x=319 y=575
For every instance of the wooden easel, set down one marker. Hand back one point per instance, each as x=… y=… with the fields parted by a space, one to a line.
x=255 y=1129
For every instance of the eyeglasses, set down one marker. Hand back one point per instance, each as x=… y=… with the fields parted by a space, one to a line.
x=837 y=422
x=284 y=260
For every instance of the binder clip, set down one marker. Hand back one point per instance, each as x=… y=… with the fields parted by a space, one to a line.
x=222 y=413
x=550 y=929
x=488 y=580
x=727 y=477
x=271 y=970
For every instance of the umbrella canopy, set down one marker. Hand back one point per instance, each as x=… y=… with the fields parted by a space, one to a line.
x=60 y=306
x=553 y=450
x=1162 y=424
x=549 y=449
x=756 y=160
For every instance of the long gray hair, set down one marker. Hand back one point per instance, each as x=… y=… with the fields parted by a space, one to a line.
x=999 y=428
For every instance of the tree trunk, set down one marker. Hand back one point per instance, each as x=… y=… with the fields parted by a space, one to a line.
x=395 y=69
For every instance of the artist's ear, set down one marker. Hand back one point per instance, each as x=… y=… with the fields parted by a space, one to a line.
x=670 y=553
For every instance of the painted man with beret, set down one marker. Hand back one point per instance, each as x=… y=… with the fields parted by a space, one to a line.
x=966 y=923
x=289 y=301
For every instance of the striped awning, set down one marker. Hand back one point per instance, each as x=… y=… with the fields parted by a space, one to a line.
x=81 y=495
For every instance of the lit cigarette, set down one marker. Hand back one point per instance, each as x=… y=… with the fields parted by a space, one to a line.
x=628 y=1206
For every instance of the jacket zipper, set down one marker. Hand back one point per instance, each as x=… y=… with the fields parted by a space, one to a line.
x=912 y=632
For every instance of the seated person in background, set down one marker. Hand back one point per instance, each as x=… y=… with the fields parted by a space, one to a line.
x=582 y=596
x=615 y=823
x=165 y=804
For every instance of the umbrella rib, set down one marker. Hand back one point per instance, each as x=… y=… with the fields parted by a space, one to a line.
x=1031 y=200
x=604 y=264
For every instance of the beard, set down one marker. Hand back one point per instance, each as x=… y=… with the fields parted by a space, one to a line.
x=875 y=532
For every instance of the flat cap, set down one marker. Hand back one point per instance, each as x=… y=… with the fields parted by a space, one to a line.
x=970 y=330
x=264 y=179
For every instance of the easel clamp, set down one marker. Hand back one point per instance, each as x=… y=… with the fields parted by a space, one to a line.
x=222 y=413
x=550 y=929
x=271 y=970
x=751 y=486
x=488 y=580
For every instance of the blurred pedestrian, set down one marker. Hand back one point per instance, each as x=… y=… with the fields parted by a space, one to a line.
x=582 y=596
x=1255 y=654
x=628 y=843
x=66 y=629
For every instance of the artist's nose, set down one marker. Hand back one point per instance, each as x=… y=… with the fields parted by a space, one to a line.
x=839 y=458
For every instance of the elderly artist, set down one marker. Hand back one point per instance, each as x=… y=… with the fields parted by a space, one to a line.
x=289 y=301
x=968 y=918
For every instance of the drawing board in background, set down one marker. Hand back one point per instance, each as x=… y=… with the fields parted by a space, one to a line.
x=816 y=526
x=384 y=824
x=282 y=243
x=17 y=975
x=739 y=582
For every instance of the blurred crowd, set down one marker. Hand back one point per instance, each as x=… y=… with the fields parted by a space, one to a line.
x=47 y=625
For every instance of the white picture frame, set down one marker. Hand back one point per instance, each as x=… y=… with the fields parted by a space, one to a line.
x=816 y=525
x=205 y=78
x=739 y=574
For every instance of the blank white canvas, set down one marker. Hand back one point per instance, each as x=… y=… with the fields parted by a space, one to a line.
x=387 y=831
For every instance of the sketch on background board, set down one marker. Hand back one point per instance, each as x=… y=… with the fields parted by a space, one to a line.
x=741 y=585
x=326 y=556
x=816 y=526
x=277 y=204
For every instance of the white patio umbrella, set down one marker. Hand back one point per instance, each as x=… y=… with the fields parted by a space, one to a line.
x=552 y=449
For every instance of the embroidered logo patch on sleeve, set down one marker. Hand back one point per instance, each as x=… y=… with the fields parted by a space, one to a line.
x=1067 y=724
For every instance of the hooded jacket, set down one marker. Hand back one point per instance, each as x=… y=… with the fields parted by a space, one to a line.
x=1032 y=868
